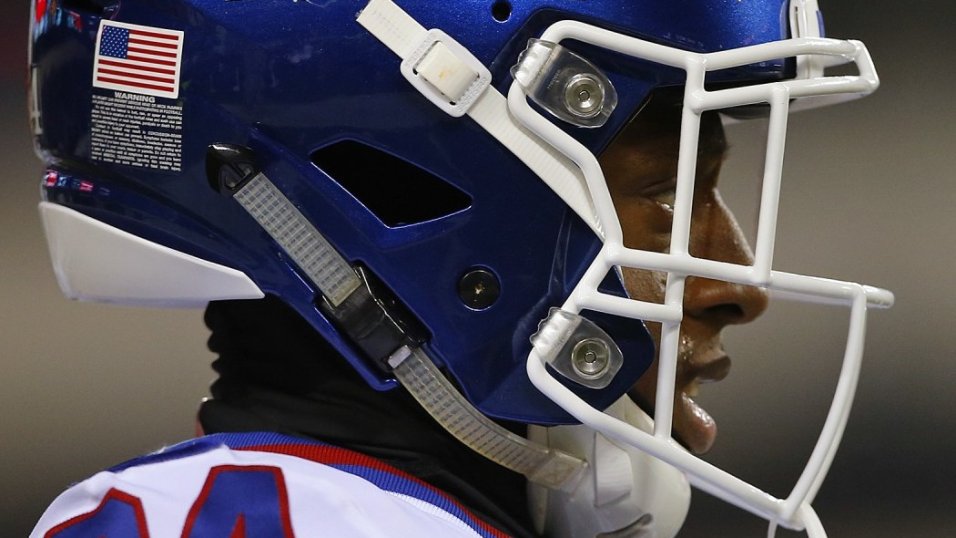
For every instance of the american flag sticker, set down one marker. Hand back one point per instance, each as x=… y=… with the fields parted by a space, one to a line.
x=139 y=59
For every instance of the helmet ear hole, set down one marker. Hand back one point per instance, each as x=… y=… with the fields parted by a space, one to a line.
x=396 y=191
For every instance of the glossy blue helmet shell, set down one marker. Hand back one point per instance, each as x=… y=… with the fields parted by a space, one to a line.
x=312 y=95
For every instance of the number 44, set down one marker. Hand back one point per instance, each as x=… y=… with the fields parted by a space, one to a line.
x=235 y=502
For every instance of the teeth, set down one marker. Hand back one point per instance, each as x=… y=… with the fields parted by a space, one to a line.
x=692 y=389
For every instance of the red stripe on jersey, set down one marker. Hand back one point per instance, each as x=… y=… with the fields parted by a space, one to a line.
x=330 y=455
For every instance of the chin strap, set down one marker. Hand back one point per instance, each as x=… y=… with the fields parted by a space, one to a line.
x=358 y=308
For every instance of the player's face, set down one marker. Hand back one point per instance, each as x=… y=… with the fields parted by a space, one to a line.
x=641 y=168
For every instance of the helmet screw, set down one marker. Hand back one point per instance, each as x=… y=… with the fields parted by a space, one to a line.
x=479 y=289
x=584 y=96
x=590 y=357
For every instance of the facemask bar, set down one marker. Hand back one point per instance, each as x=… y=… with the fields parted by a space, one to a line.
x=794 y=511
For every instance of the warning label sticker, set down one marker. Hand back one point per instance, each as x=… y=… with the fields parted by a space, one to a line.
x=137 y=130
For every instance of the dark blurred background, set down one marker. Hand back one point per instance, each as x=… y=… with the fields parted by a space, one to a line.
x=869 y=196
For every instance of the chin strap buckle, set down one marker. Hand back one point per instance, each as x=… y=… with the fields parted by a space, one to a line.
x=442 y=69
x=446 y=73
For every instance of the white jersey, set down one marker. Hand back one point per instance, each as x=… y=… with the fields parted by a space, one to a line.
x=256 y=485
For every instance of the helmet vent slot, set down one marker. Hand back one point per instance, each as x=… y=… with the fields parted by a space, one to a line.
x=396 y=191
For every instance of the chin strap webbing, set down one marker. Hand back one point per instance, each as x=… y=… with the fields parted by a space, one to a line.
x=547 y=467
x=297 y=236
x=408 y=39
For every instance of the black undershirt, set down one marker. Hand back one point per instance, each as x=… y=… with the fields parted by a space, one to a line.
x=277 y=374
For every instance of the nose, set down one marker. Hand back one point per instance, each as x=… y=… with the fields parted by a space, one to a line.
x=723 y=303
x=716 y=235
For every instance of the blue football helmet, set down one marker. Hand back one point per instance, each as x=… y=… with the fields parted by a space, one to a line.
x=419 y=181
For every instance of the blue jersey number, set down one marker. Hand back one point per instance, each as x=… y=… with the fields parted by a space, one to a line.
x=240 y=502
x=118 y=515
x=235 y=502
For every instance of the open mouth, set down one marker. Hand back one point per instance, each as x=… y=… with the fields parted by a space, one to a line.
x=693 y=427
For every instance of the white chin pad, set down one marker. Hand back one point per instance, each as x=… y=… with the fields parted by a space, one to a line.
x=622 y=485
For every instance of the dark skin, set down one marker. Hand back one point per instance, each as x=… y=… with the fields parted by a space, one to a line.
x=640 y=167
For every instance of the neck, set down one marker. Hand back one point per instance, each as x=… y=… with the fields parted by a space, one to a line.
x=277 y=374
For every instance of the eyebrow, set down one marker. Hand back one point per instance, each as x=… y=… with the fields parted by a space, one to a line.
x=661 y=119
x=712 y=145
x=665 y=130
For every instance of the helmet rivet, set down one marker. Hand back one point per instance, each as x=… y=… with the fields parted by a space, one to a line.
x=584 y=96
x=590 y=357
x=479 y=289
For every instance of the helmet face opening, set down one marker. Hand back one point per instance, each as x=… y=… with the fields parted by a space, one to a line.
x=683 y=261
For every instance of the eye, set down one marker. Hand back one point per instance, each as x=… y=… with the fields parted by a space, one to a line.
x=661 y=192
x=665 y=198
